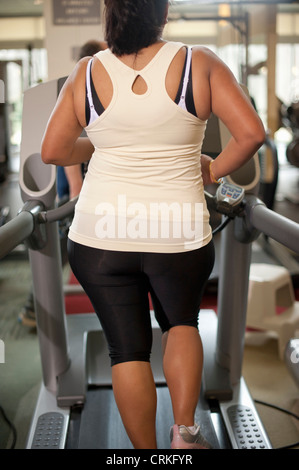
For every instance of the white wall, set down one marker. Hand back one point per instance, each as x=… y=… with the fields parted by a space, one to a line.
x=62 y=42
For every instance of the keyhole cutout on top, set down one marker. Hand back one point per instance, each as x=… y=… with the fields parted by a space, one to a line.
x=139 y=86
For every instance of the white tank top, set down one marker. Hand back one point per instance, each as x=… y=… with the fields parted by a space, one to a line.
x=143 y=190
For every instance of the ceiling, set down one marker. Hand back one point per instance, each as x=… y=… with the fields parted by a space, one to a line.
x=17 y=8
x=21 y=8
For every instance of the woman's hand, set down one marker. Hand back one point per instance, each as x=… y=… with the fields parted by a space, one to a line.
x=226 y=99
x=205 y=169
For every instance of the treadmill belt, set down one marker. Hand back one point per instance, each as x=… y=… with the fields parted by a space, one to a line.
x=101 y=426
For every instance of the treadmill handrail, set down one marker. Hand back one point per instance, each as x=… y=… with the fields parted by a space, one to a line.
x=20 y=228
x=15 y=232
x=275 y=225
x=59 y=213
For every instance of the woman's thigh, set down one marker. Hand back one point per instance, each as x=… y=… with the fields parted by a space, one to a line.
x=119 y=294
x=177 y=282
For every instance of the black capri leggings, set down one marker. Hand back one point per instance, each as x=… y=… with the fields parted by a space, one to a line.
x=117 y=283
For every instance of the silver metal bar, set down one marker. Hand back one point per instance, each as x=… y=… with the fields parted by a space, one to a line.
x=274 y=225
x=59 y=213
x=232 y=302
x=15 y=232
x=49 y=307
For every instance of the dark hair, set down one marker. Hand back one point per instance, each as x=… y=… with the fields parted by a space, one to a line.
x=131 y=25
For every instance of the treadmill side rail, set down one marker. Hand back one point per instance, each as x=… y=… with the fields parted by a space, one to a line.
x=49 y=424
x=243 y=424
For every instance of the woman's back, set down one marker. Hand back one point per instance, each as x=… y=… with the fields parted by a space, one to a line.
x=104 y=87
x=147 y=152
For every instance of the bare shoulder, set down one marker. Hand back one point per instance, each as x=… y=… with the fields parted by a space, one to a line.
x=76 y=80
x=206 y=57
x=203 y=53
x=79 y=69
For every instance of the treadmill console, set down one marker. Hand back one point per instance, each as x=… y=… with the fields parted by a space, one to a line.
x=229 y=198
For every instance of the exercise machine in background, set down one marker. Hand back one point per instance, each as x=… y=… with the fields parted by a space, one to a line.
x=76 y=399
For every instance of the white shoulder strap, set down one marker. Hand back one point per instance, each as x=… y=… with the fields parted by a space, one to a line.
x=93 y=114
x=182 y=102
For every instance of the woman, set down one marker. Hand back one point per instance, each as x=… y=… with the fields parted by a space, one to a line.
x=141 y=224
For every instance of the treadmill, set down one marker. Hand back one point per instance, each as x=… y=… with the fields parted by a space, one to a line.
x=75 y=407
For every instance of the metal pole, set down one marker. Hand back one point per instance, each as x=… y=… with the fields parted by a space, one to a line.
x=274 y=225
x=15 y=232
x=232 y=302
x=38 y=183
x=49 y=307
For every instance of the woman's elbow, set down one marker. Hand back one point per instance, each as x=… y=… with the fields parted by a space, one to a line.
x=48 y=154
x=257 y=136
x=46 y=158
x=260 y=136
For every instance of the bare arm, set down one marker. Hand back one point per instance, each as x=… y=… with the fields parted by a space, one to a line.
x=74 y=177
x=62 y=144
x=234 y=109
